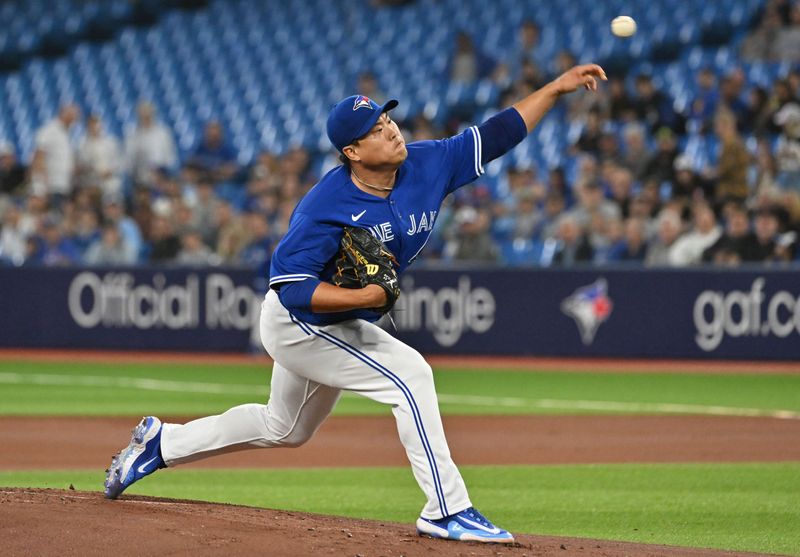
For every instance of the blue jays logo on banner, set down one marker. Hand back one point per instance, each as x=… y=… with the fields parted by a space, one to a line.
x=589 y=306
x=361 y=102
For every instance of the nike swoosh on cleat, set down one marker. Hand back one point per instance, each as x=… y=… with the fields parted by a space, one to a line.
x=358 y=216
x=494 y=530
x=141 y=469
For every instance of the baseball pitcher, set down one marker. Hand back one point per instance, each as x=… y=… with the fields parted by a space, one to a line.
x=330 y=282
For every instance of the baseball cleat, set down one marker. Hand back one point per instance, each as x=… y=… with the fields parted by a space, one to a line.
x=140 y=458
x=468 y=525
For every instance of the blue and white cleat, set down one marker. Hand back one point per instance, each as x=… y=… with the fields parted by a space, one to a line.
x=140 y=458
x=468 y=525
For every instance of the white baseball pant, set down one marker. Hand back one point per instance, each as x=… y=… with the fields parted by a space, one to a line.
x=313 y=365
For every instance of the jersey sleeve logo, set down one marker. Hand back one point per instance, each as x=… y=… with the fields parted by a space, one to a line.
x=362 y=102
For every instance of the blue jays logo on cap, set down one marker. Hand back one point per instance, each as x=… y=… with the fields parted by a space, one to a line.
x=348 y=122
x=361 y=102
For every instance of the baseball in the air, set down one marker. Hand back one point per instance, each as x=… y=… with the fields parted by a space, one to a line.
x=623 y=26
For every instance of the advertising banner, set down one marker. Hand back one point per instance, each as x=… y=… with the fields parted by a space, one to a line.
x=721 y=314
x=145 y=309
x=603 y=312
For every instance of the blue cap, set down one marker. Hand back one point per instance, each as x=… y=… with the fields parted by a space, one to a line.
x=353 y=117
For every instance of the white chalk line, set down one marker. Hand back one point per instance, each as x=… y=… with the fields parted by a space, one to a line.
x=149 y=384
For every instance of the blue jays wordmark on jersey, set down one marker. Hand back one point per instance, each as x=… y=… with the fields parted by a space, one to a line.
x=403 y=221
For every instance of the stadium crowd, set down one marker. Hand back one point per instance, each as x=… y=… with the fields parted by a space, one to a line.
x=633 y=194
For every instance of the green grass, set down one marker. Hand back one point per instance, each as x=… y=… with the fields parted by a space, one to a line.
x=743 y=507
x=28 y=388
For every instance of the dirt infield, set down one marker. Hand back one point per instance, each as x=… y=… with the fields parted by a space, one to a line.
x=58 y=522
x=64 y=522
x=31 y=443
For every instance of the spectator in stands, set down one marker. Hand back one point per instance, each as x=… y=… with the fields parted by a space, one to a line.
x=787 y=150
x=53 y=166
x=204 y=212
x=114 y=212
x=730 y=95
x=767 y=227
x=620 y=106
x=755 y=120
x=688 y=185
x=52 y=248
x=688 y=249
x=572 y=245
x=214 y=158
x=258 y=251
x=13 y=236
x=531 y=76
x=142 y=208
x=645 y=205
x=635 y=153
x=368 y=85
x=110 y=249
x=164 y=244
x=530 y=50
x=661 y=164
x=786 y=46
x=13 y=175
x=554 y=205
x=194 y=252
x=232 y=235
x=149 y=146
x=604 y=234
x=738 y=243
x=701 y=112
x=281 y=223
x=621 y=188
x=564 y=61
x=654 y=107
x=182 y=217
x=591 y=200
x=521 y=181
x=669 y=229
x=608 y=150
x=468 y=64
x=764 y=182
x=36 y=207
x=469 y=238
x=589 y=140
x=733 y=160
x=758 y=46
x=423 y=128
x=557 y=184
x=295 y=167
x=524 y=219
x=794 y=81
x=86 y=230
x=781 y=96
x=99 y=159
x=633 y=247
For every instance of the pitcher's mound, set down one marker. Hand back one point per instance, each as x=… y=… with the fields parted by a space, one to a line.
x=64 y=522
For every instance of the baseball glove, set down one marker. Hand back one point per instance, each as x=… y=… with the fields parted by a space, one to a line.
x=364 y=260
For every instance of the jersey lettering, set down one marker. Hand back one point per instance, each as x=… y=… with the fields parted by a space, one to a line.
x=425 y=223
x=383 y=232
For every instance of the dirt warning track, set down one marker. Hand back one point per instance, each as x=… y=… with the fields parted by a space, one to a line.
x=41 y=443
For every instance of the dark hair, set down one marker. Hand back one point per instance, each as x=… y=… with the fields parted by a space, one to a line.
x=343 y=158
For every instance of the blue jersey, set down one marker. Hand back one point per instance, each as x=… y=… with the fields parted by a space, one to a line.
x=402 y=221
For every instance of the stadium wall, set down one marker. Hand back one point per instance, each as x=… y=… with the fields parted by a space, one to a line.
x=719 y=314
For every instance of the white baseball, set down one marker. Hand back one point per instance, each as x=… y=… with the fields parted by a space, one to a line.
x=623 y=26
